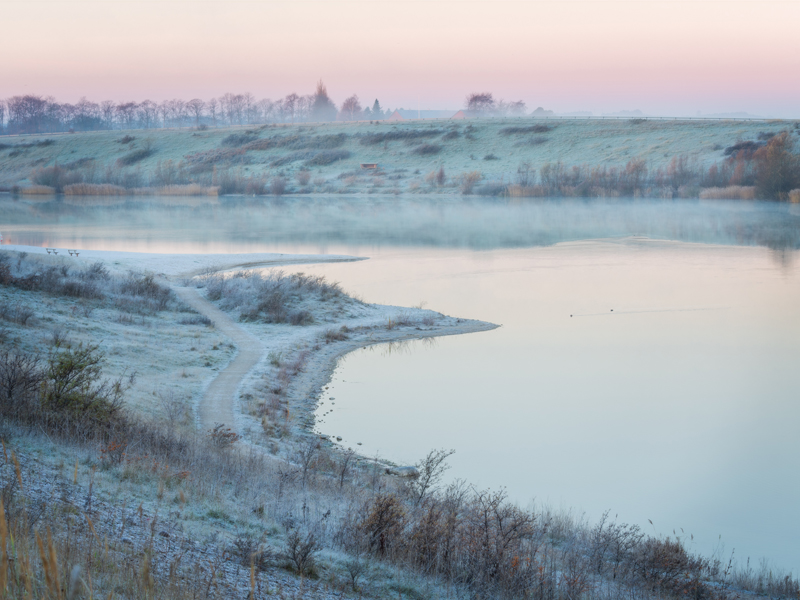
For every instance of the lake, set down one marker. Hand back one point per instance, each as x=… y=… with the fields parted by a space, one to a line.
x=646 y=361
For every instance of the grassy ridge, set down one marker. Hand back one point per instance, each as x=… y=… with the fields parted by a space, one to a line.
x=411 y=155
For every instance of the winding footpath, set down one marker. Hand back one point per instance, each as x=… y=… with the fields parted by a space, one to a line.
x=217 y=405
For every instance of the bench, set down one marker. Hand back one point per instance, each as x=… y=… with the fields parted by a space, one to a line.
x=73 y=252
x=51 y=250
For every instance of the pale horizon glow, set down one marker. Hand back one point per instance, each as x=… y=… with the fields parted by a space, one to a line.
x=662 y=57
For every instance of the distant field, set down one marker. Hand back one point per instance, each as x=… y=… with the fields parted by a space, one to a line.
x=327 y=157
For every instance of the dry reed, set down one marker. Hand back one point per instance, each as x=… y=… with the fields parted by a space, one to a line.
x=731 y=192
x=38 y=190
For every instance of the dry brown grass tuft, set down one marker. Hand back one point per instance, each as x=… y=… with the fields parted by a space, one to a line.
x=794 y=196
x=38 y=190
x=94 y=189
x=731 y=192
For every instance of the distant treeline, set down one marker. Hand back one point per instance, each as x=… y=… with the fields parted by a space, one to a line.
x=37 y=114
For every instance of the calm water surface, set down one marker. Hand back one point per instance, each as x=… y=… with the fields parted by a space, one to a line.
x=647 y=362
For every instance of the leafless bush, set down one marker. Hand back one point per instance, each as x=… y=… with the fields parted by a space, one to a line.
x=222 y=437
x=55 y=177
x=301 y=551
x=16 y=313
x=303 y=177
x=277 y=186
x=252 y=552
x=468 y=181
x=271 y=297
x=335 y=335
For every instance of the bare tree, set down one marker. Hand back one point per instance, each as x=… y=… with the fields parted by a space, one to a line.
x=289 y=106
x=107 y=109
x=351 y=109
x=431 y=470
x=126 y=113
x=212 y=110
x=148 y=113
x=196 y=107
x=164 y=111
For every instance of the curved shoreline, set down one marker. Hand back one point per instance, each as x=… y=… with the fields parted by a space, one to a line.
x=308 y=385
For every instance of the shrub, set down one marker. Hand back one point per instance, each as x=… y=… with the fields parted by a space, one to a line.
x=327 y=157
x=301 y=317
x=490 y=156
x=794 y=196
x=303 y=177
x=55 y=177
x=134 y=157
x=467 y=181
x=16 y=313
x=335 y=335
x=525 y=129
x=197 y=320
x=73 y=386
x=493 y=188
x=277 y=186
x=373 y=139
x=427 y=149
x=777 y=168
x=743 y=149
x=127 y=139
x=301 y=551
x=236 y=140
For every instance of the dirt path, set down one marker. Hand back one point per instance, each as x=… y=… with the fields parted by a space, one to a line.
x=218 y=402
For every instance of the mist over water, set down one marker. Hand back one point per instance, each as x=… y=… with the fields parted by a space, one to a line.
x=241 y=224
x=679 y=407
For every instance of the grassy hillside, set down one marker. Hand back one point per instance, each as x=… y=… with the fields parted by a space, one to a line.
x=327 y=157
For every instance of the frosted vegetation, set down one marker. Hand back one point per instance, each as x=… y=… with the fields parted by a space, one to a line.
x=516 y=157
x=103 y=494
x=275 y=297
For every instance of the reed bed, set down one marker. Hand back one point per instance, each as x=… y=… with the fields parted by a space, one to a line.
x=731 y=192
x=38 y=190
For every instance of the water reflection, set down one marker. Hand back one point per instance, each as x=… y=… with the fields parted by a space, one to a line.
x=316 y=224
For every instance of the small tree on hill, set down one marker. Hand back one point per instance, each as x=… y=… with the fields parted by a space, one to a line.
x=377 y=111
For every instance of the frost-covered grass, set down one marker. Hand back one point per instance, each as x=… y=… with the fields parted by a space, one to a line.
x=244 y=156
x=139 y=325
x=274 y=297
x=154 y=508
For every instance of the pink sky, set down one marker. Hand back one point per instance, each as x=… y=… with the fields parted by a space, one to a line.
x=663 y=57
